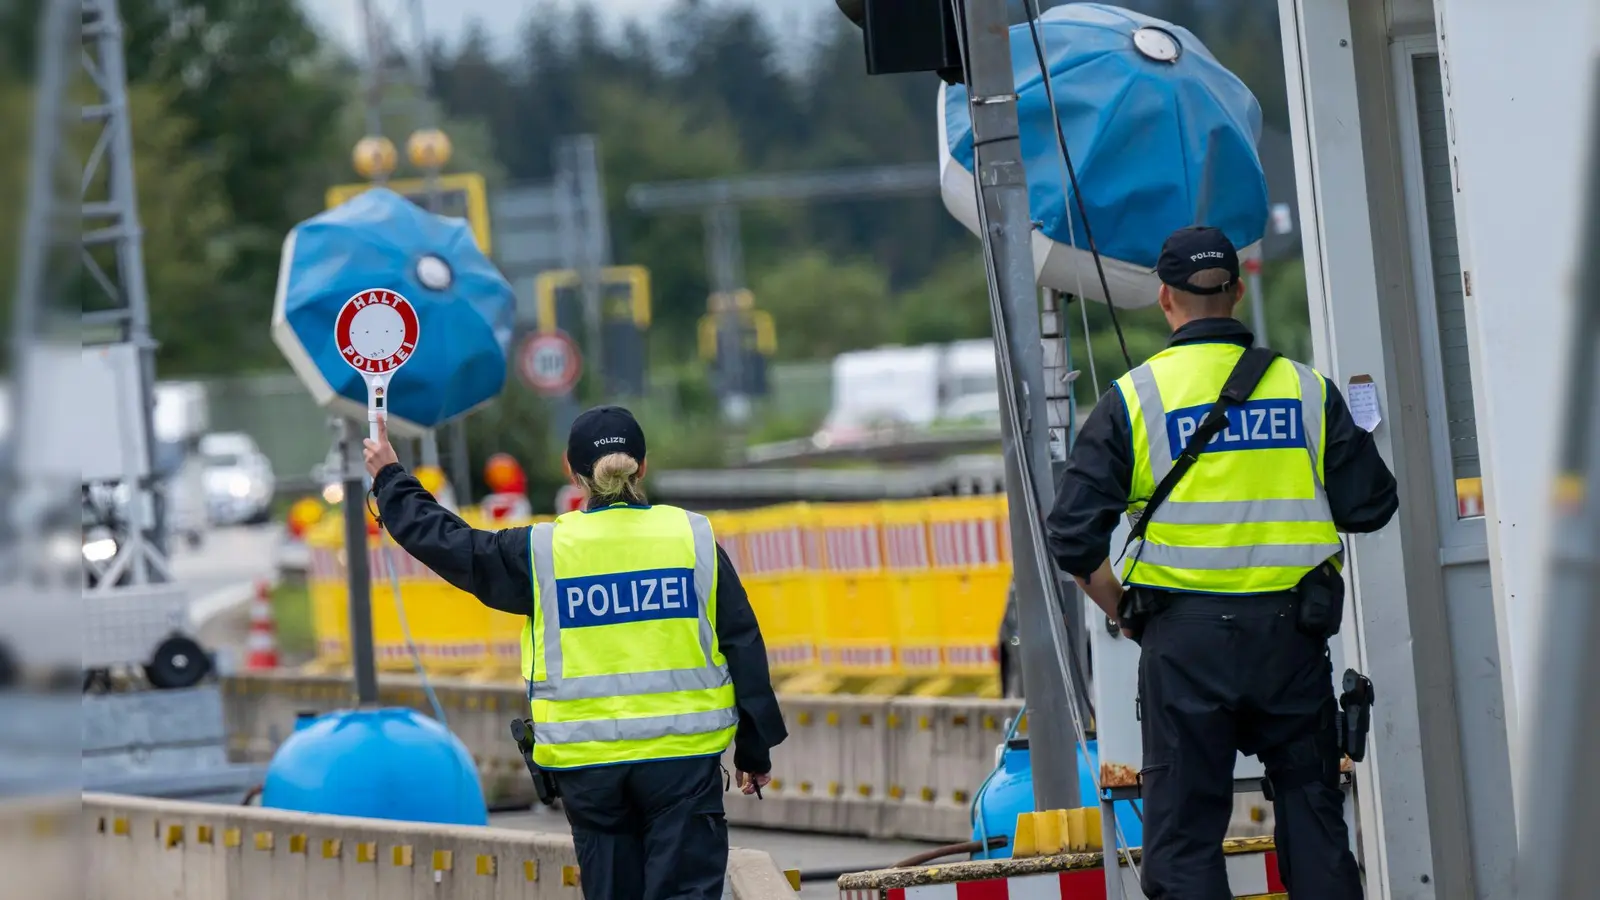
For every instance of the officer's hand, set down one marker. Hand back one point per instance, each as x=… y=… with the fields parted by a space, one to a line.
x=748 y=783
x=379 y=453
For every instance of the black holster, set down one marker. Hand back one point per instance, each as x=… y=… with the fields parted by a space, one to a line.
x=1137 y=606
x=1355 y=714
x=544 y=784
x=1320 y=602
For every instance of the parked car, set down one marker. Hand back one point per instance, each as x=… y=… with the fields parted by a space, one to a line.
x=239 y=482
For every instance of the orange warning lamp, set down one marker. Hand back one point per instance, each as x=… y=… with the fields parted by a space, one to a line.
x=504 y=475
x=431 y=479
x=305 y=513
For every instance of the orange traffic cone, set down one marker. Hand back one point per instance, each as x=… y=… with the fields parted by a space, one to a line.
x=262 y=644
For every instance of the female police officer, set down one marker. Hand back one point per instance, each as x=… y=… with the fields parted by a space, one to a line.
x=642 y=655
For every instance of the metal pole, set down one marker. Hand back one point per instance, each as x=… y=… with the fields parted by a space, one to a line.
x=1024 y=430
x=356 y=562
x=724 y=261
x=1060 y=411
x=374 y=78
x=1258 y=300
x=1556 y=861
x=460 y=464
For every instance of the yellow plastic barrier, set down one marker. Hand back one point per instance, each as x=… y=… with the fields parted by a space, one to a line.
x=972 y=561
x=775 y=564
x=858 y=632
x=887 y=591
x=913 y=588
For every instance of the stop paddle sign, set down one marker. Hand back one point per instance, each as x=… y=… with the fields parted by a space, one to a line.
x=376 y=332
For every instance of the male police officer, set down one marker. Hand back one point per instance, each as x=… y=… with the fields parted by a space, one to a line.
x=641 y=652
x=1232 y=585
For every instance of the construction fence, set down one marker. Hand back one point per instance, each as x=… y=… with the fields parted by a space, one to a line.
x=898 y=597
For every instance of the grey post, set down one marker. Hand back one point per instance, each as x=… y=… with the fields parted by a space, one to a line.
x=1003 y=188
x=1556 y=860
x=357 y=571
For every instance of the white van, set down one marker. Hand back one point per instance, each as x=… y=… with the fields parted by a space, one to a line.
x=888 y=387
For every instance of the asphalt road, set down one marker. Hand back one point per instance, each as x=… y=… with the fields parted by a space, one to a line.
x=790 y=850
x=220 y=575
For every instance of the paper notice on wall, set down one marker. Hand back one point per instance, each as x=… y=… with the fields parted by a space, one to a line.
x=1362 y=396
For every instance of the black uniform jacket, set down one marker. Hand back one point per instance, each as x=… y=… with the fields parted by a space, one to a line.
x=496 y=567
x=1094 y=487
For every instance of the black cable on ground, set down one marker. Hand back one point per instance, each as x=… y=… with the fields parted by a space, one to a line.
x=923 y=858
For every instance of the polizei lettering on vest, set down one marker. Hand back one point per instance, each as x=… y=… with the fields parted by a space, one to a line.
x=1257 y=425
x=627 y=597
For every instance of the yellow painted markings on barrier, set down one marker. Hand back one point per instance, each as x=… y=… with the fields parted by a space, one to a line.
x=569 y=876
x=1056 y=831
x=174 y=836
x=119 y=826
x=805 y=787
x=366 y=851
x=530 y=870
x=232 y=838
x=297 y=844
x=485 y=864
x=332 y=848
x=400 y=855
x=203 y=834
x=265 y=841
x=444 y=860
x=793 y=877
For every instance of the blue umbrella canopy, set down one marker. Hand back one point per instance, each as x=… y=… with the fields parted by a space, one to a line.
x=379 y=239
x=1161 y=135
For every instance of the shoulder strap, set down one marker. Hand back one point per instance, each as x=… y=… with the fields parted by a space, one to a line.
x=1241 y=383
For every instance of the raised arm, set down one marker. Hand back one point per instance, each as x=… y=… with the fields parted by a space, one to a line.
x=490 y=565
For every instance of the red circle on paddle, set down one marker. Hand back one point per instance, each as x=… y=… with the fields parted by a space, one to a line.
x=377 y=331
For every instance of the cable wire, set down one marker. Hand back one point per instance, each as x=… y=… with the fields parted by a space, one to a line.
x=1060 y=645
x=1033 y=15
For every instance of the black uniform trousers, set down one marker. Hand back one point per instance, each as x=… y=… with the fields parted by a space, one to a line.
x=650 y=830
x=1222 y=675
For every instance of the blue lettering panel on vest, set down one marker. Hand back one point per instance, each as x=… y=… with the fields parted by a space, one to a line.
x=1257 y=425
x=627 y=597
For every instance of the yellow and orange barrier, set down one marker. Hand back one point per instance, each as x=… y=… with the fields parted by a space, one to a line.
x=897 y=597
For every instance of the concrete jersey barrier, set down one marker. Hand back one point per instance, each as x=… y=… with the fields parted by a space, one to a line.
x=141 y=849
x=881 y=767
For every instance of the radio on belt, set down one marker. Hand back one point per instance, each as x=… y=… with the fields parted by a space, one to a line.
x=377 y=331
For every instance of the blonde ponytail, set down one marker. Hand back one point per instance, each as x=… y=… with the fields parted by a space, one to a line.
x=615 y=480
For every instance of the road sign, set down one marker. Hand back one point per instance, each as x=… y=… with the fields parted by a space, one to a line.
x=568 y=499
x=461 y=196
x=376 y=332
x=502 y=507
x=550 y=363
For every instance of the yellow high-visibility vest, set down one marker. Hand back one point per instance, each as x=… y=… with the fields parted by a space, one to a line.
x=1252 y=515
x=620 y=653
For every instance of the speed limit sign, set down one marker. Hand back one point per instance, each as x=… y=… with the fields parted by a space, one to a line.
x=550 y=363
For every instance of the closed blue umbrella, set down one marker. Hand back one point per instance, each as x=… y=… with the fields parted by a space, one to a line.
x=382 y=240
x=1162 y=136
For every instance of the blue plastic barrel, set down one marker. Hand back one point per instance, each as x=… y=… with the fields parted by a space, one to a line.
x=376 y=764
x=1010 y=793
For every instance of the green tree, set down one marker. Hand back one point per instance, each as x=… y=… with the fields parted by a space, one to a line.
x=821 y=307
x=951 y=305
x=183 y=215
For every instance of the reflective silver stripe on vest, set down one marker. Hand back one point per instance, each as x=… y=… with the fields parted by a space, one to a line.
x=642 y=729
x=1311 y=418
x=590 y=687
x=1154 y=413
x=1231 y=512
x=1260 y=556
